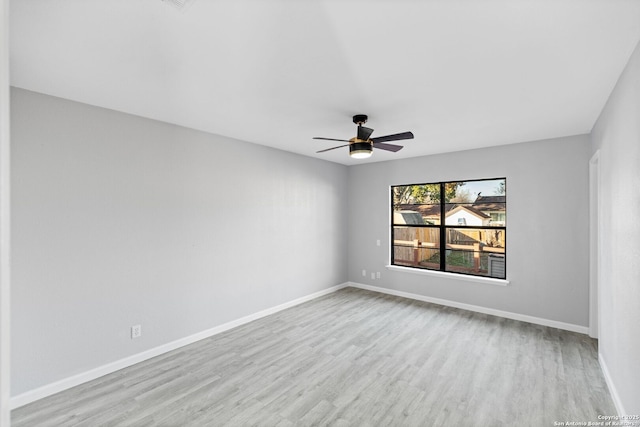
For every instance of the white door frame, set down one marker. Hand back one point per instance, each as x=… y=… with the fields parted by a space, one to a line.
x=595 y=255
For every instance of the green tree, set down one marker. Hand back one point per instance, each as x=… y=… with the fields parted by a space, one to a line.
x=460 y=196
x=424 y=193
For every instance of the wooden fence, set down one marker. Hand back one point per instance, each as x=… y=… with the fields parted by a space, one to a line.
x=420 y=247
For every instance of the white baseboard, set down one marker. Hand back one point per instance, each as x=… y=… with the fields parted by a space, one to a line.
x=478 y=309
x=612 y=388
x=66 y=383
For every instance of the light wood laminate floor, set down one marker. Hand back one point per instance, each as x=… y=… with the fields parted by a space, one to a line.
x=351 y=358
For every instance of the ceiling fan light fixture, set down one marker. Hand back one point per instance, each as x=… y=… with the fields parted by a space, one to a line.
x=360 y=150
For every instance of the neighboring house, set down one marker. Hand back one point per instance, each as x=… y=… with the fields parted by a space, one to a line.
x=494 y=206
x=476 y=214
x=466 y=215
x=407 y=217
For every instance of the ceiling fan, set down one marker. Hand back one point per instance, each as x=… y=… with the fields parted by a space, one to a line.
x=361 y=146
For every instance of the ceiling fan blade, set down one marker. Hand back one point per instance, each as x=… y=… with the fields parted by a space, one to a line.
x=394 y=137
x=364 y=133
x=332 y=148
x=330 y=139
x=388 y=147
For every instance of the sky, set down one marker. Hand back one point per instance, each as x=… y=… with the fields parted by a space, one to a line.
x=487 y=188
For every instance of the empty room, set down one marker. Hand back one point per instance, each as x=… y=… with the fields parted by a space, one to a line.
x=330 y=213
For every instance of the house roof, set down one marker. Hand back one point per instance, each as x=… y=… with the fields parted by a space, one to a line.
x=490 y=203
x=425 y=210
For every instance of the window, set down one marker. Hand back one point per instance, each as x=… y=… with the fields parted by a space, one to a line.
x=458 y=227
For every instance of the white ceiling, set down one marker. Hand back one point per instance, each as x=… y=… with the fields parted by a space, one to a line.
x=460 y=74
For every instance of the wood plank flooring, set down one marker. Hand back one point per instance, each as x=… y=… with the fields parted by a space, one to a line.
x=351 y=358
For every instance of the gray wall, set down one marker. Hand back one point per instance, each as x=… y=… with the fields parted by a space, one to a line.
x=5 y=330
x=617 y=136
x=547 y=226
x=120 y=220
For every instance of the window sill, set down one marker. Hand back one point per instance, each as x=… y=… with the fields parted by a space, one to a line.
x=463 y=277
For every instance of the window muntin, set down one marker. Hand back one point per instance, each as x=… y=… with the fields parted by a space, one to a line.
x=473 y=232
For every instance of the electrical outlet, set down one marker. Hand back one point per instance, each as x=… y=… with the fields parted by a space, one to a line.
x=377 y=274
x=373 y=276
x=136 y=331
x=378 y=242
x=364 y=273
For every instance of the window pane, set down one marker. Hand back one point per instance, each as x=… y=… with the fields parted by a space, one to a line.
x=454 y=192
x=476 y=263
x=475 y=251
x=425 y=214
x=416 y=247
x=476 y=203
x=464 y=214
x=416 y=204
